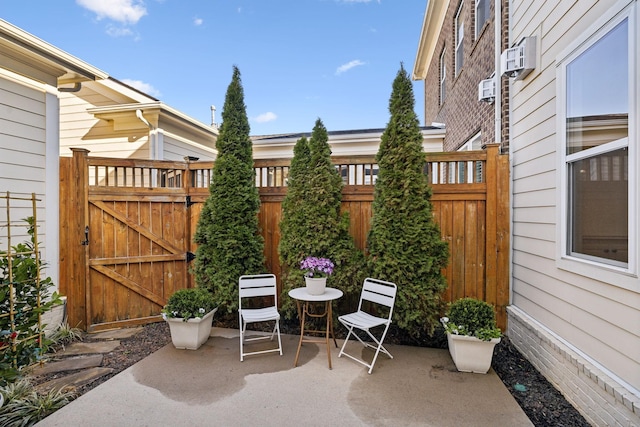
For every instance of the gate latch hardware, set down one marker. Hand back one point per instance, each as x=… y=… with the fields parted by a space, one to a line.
x=188 y=201
x=85 y=242
x=190 y=256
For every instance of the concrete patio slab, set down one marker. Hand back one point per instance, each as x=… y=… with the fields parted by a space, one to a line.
x=418 y=387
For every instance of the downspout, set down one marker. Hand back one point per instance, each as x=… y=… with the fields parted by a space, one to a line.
x=154 y=143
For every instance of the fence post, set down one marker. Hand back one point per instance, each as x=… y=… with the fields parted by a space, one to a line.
x=74 y=217
x=497 y=232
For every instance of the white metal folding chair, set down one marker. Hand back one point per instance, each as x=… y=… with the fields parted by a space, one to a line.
x=379 y=295
x=262 y=287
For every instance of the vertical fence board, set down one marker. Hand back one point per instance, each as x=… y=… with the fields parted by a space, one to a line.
x=473 y=218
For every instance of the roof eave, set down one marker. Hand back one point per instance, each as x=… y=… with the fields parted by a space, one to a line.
x=431 y=28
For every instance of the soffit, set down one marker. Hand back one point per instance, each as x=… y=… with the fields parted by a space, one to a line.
x=431 y=29
x=22 y=52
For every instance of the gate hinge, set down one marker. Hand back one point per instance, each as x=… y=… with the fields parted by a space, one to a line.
x=190 y=256
x=188 y=201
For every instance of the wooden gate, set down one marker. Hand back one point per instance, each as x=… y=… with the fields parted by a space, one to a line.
x=140 y=216
x=133 y=251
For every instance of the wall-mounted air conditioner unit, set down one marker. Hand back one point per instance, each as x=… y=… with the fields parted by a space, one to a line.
x=487 y=90
x=520 y=60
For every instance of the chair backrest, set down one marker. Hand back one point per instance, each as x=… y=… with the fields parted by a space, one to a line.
x=379 y=292
x=258 y=285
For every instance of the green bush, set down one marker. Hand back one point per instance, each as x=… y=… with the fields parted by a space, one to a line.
x=228 y=230
x=24 y=406
x=472 y=317
x=27 y=296
x=405 y=244
x=313 y=225
x=189 y=304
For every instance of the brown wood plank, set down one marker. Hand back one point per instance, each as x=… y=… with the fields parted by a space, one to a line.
x=141 y=234
x=128 y=323
x=473 y=286
x=156 y=215
x=113 y=275
x=458 y=259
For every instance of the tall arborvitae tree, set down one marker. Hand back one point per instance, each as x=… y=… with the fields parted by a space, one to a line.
x=404 y=243
x=312 y=223
x=228 y=237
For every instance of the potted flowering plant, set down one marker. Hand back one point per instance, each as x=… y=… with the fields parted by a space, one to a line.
x=316 y=270
x=472 y=333
x=189 y=313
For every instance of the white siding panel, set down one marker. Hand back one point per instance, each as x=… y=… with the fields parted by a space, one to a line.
x=597 y=318
x=545 y=215
x=532 y=199
x=554 y=309
x=534 y=167
x=176 y=150
x=537 y=141
x=535 y=231
x=537 y=247
x=534 y=182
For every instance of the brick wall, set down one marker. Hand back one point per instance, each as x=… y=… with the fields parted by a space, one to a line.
x=601 y=399
x=461 y=112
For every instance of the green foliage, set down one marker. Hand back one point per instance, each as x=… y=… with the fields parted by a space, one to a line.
x=27 y=296
x=404 y=243
x=189 y=303
x=227 y=234
x=472 y=317
x=24 y=406
x=312 y=223
x=65 y=334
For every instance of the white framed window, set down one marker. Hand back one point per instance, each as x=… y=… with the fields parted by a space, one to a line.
x=483 y=10
x=597 y=85
x=459 y=38
x=443 y=76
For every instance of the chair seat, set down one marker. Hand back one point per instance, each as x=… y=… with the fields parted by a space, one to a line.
x=259 y=286
x=377 y=293
x=260 y=314
x=362 y=320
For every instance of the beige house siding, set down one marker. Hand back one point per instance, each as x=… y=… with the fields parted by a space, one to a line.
x=121 y=134
x=582 y=333
x=80 y=129
x=22 y=151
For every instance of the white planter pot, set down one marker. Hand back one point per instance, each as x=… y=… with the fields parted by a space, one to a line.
x=471 y=354
x=55 y=317
x=191 y=334
x=316 y=286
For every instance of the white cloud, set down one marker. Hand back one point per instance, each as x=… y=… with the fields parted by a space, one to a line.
x=197 y=21
x=114 y=31
x=124 y=11
x=266 y=117
x=349 y=65
x=142 y=87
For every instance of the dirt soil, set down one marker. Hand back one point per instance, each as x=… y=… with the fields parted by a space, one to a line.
x=541 y=402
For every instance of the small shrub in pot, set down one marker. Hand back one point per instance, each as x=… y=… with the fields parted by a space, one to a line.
x=188 y=304
x=471 y=317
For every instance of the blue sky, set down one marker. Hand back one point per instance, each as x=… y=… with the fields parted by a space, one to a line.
x=299 y=59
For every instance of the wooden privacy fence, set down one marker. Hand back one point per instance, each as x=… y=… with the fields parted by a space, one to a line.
x=126 y=230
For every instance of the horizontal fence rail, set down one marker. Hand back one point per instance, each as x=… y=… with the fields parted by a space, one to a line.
x=138 y=218
x=442 y=168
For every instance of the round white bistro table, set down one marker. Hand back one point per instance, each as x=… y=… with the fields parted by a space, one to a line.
x=305 y=298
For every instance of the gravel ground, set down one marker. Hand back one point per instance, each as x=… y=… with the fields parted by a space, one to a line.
x=542 y=403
